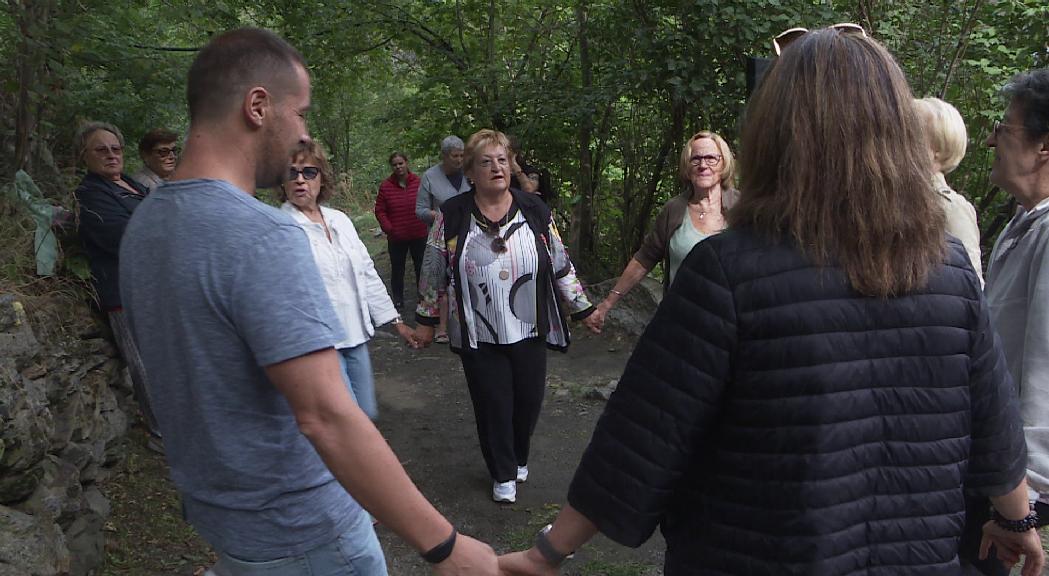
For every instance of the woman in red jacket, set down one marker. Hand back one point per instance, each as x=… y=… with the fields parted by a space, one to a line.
x=395 y=211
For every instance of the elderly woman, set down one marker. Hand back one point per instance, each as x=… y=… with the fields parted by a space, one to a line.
x=706 y=169
x=106 y=198
x=946 y=138
x=497 y=253
x=822 y=385
x=159 y=151
x=440 y=182
x=357 y=293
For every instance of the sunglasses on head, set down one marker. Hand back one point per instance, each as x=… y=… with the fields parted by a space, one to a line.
x=783 y=39
x=308 y=173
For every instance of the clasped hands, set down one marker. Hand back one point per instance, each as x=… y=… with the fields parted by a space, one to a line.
x=477 y=558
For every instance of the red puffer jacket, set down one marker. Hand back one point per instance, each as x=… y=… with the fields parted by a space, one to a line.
x=395 y=209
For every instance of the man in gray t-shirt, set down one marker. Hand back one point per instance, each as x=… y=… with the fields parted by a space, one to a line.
x=265 y=443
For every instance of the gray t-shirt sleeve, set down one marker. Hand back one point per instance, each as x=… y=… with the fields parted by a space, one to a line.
x=278 y=300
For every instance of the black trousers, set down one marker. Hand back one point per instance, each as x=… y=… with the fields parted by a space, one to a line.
x=507 y=383
x=398 y=256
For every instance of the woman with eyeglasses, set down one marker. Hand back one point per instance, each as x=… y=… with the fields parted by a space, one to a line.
x=821 y=387
x=159 y=151
x=106 y=198
x=357 y=294
x=498 y=255
x=706 y=170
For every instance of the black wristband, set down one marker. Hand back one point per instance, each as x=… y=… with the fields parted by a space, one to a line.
x=552 y=556
x=442 y=551
x=1022 y=525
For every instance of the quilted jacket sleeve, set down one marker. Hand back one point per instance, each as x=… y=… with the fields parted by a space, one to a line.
x=666 y=402
x=998 y=454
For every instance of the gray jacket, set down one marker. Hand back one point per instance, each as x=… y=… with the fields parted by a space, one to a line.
x=433 y=191
x=1018 y=297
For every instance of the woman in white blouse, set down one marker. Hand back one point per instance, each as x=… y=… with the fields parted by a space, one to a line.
x=357 y=293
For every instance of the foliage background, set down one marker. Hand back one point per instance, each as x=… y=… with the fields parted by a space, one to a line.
x=602 y=93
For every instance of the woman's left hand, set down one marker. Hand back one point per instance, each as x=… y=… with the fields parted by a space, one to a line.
x=408 y=335
x=595 y=321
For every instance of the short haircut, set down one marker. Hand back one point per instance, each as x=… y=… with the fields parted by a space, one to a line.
x=234 y=62
x=397 y=155
x=944 y=132
x=728 y=166
x=154 y=137
x=479 y=141
x=87 y=129
x=312 y=151
x=1031 y=91
x=451 y=143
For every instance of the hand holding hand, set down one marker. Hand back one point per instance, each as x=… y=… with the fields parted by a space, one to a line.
x=407 y=334
x=527 y=563
x=469 y=557
x=596 y=320
x=1011 y=545
x=423 y=335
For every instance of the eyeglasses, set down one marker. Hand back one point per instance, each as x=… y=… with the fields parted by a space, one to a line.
x=710 y=160
x=998 y=125
x=783 y=39
x=308 y=173
x=498 y=244
x=165 y=152
x=116 y=150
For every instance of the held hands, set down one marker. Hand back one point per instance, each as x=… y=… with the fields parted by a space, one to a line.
x=596 y=320
x=527 y=563
x=408 y=335
x=469 y=557
x=423 y=335
x=1011 y=545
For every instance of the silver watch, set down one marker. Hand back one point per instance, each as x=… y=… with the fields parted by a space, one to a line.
x=552 y=556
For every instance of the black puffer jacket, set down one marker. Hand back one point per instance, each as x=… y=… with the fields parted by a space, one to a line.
x=773 y=421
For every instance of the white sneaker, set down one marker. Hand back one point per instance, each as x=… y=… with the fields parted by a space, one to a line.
x=504 y=491
x=522 y=473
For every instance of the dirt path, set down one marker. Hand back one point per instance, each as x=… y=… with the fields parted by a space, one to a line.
x=426 y=416
x=428 y=420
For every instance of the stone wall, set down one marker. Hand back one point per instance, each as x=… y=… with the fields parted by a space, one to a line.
x=63 y=424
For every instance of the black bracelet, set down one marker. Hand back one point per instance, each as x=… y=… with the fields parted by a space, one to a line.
x=442 y=551
x=1022 y=525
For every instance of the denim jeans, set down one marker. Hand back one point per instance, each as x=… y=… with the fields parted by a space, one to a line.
x=356 y=552
x=357 y=365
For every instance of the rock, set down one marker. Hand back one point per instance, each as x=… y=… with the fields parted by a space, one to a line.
x=59 y=493
x=16 y=336
x=31 y=545
x=86 y=542
x=26 y=426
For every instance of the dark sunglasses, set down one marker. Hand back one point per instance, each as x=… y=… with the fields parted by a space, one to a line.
x=308 y=173
x=783 y=39
x=498 y=244
x=165 y=152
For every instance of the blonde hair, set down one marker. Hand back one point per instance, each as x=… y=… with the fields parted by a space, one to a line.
x=944 y=131
x=728 y=161
x=479 y=141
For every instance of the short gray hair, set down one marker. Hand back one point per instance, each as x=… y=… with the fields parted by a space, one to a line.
x=1031 y=91
x=87 y=129
x=451 y=143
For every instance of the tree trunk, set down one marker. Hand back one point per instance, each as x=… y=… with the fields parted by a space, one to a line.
x=33 y=19
x=581 y=238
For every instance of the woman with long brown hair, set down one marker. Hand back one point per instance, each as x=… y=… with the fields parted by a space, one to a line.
x=821 y=383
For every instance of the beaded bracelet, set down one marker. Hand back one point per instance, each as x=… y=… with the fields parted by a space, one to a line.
x=442 y=551
x=1022 y=525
